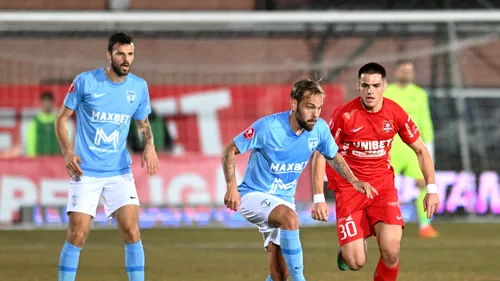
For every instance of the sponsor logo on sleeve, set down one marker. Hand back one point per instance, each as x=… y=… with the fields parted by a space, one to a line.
x=249 y=133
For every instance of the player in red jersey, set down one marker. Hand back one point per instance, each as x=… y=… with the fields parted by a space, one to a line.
x=364 y=129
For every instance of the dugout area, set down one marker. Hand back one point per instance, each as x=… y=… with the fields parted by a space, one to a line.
x=464 y=252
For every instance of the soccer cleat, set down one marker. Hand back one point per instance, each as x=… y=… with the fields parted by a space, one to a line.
x=428 y=232
x=341 y=263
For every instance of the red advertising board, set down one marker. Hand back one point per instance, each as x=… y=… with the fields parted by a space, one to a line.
x=204 y=117
x=191 y=180
x=185 y=180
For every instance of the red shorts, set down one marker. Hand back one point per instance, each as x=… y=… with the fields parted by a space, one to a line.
x=356 y=214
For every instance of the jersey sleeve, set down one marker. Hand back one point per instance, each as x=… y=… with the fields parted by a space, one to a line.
x=407 y=129
x=426 y=127
x=253 y=137
x=144 y=108
x=327 y=145
x=75 y=93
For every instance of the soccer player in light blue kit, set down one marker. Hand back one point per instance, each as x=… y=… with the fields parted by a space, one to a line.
x=105 y=100
x=281 y=146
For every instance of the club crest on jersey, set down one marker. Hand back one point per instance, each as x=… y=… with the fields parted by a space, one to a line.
x=313 y=143
x=387 y=126
x=249 y=133
x=347 y=115
x=130 y=96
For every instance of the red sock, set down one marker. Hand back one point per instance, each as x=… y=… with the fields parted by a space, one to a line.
x=385 y=273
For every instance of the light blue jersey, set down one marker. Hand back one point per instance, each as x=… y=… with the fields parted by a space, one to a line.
x=104 y=110
x=279 y=155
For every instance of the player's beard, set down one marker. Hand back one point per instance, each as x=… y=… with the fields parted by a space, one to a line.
x=303 y=124
x=118 y=68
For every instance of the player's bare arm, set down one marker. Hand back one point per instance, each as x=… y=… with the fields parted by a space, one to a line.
x=149 y=155
x=320 y=209
x=145 y=132
x=431 y=200
x=424 y=160
x=71 y=160
x=232 y=196
x=338 y=164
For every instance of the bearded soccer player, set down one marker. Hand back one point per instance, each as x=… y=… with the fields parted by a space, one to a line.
x=414 y=100
x=281 y=145
x=364 y=129
x=105 y=101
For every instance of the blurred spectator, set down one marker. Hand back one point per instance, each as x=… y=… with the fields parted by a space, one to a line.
x=41 y=136
x=162 y=138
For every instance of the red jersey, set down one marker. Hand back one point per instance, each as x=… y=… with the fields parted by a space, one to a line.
x=365 y=139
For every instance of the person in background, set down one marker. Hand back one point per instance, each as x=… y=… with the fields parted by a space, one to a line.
x=413 y=100
x=41 y=137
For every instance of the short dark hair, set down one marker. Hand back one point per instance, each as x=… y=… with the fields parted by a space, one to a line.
x=372 y=68
x=302 y=86
x=47 y=96
x=120 y=38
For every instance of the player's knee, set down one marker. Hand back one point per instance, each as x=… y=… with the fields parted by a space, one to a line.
x=77 y=235
x=79 y=226
x=290 y=222
x=390 y=254
x=131 y=233
x=289 y=219
x=355 y=261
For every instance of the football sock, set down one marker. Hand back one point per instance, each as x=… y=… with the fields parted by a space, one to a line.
x=269 y=278
x=423 y=221
x=134 y=261
x=68 y=262
x=385 y=273
x=291 y=249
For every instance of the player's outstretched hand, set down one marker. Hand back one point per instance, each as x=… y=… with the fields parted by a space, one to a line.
x=71 y=160
x=320 y=211
x=232 y=198
x=431 y=204
x=366 y=188
x=150 y=158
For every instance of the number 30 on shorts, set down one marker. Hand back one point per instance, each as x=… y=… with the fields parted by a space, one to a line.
x=348 y=229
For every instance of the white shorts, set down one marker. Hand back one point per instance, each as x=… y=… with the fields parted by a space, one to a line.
x=117 y=191
x=256 y=207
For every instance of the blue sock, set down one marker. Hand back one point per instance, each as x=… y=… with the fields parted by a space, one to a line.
x=292 y=252
x=269 y=278
x=68 y=262
x=134 y=261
